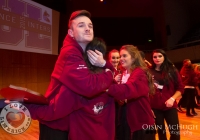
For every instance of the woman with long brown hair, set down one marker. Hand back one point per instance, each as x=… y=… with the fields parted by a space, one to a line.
x=136 y=87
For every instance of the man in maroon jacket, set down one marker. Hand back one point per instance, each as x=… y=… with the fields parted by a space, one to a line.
x=70 y=80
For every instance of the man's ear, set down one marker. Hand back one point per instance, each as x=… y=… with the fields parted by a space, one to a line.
x=70 y=32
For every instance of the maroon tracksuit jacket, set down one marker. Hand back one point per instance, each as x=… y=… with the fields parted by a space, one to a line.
x=136 y=90
x=70 y=80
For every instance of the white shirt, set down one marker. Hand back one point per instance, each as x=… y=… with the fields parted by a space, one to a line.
x=125 y=77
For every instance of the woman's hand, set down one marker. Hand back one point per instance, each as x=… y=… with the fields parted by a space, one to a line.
x=170 y=102
x=118 y=78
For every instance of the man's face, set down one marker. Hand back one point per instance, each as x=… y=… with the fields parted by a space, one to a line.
x=82 y=29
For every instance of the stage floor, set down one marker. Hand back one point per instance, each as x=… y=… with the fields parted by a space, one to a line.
x=190 y=129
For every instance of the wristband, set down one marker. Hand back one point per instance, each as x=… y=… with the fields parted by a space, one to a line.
x=172 y=99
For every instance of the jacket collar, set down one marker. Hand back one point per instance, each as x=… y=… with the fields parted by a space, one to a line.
x=69 y=41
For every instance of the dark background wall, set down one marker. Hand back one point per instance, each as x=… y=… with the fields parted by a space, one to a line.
x=168 y=20
x=180 y=16
x=135 y=21
x=117 y=21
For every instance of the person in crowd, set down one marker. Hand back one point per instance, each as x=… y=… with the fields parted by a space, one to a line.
x=95 y=120
x=197 y=69
x=190 y=82
x=113 y=58
x=168 y=88
x=122 y=127
x=146 y=61
x=71 y=79
x=136 y=87
x=197 y=72
x=182 y=102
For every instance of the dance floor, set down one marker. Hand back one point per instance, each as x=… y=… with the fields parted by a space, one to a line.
x=189 y=126
x=190 y=129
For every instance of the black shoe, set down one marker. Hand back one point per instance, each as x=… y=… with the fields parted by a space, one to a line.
x=180 y=110
x=189 y=115
x=194 y=113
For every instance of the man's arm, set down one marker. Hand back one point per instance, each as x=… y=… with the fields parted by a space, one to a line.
x=78 y=78
x=60 y=106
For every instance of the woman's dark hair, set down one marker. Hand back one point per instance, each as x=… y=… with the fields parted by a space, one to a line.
x=95 y=44
x=169 y=71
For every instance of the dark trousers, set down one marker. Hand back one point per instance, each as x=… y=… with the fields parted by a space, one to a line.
x=190 y=96
x=198 y=96
x=47 y=133
x=171 y=118
x=122 y=129
x=143 y=135
x=198 y=99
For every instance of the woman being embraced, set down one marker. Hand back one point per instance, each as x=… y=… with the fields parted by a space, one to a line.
x=95 y=119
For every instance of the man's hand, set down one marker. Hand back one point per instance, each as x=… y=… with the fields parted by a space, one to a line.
x=96 y=58
x=107 y=70
x=9 y=101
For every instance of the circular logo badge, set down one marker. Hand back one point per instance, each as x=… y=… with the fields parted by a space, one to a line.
x=15 y=118
x=98 y=108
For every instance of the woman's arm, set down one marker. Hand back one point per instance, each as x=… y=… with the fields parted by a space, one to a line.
x=179 y=87
x=135 y=87
x=171 y=100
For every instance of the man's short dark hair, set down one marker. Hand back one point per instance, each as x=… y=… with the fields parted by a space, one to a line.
x=75 y=14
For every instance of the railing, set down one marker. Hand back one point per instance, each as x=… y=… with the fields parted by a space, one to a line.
x=186 y=44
